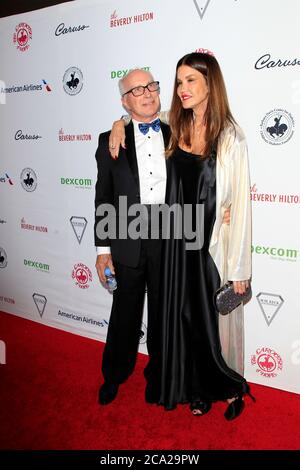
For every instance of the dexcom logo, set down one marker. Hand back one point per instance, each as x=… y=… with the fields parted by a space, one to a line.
x=283 y=254
x=122 y=73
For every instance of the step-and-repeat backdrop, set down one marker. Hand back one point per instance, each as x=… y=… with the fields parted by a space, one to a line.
x=59 y=88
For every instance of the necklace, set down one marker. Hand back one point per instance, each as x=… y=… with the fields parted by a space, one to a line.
x=198 y=137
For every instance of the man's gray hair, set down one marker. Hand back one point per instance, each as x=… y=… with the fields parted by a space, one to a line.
x=121 y=81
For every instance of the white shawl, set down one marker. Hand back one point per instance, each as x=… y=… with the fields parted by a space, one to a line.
x=230 y=245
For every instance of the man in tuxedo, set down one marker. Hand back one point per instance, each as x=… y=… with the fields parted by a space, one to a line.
x=140 y=175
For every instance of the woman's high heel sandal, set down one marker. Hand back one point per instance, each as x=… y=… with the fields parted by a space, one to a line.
x=200 y=408
x=236 y=407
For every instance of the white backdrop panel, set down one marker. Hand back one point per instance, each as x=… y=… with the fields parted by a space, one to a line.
x=39 y=249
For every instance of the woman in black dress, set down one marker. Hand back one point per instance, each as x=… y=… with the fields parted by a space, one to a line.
x=207 y=165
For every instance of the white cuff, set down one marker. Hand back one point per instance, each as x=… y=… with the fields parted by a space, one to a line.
x=103 y=250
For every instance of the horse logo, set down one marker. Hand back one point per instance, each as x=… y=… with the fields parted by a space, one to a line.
x=82 y=275
x=3 y=258
x=267 y=361
x=277 y=127
x=73 y=81
x=22 y=36
x=28 y=180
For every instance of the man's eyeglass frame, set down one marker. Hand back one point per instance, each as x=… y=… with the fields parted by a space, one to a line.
x=144 y=88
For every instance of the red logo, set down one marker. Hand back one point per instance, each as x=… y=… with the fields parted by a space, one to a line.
x=267 y=362
x=278 y=198
x=64 y=137
x=8 y=300
x=82 y=275
x=116 y=21
x=22 y=36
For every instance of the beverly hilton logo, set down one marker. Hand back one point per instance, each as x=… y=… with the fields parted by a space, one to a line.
x=115 y=21
x=269 y=305
x=64 y=137
x=73 y=81
x=268 y=362
x=22 y=36
x=37 y=228
x=82 y=275
x=7 y=300
x=28 y=180
x=277 y=127
x=3 y=258
x=257 y=196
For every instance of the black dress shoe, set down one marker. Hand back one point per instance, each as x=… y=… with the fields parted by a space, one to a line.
x=107 y=393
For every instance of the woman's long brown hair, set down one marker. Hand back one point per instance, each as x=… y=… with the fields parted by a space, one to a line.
x=217 y=116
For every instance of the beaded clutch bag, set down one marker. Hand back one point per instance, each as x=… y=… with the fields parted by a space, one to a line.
x=227 y=300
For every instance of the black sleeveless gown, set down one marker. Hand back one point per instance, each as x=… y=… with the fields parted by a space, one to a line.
x=188 y=364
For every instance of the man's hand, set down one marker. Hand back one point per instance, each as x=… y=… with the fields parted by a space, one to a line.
x=117 y=138
x=226 y=217
x=102 y=262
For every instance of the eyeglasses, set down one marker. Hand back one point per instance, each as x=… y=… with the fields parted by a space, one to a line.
x=140 y=90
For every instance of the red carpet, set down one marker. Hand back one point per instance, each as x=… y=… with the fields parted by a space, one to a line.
x=48 y=400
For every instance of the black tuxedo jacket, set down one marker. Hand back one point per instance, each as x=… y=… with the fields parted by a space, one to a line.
x=119 y=178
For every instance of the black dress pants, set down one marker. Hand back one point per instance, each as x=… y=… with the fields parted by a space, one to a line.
x=124 y=328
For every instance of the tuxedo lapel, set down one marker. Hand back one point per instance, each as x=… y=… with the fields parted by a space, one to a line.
x=131 y=153
x=166 y=132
